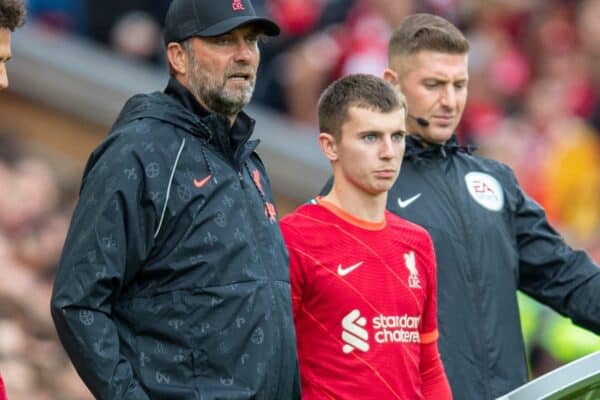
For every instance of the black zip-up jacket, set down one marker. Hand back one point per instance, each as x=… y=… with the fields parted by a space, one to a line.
x=490 y=240
x=173 y=283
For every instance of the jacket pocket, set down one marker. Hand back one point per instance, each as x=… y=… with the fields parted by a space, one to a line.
x=166 y=370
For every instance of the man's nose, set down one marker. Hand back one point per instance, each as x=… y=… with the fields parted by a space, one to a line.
x=3 y=77
x=244 y=51
x=387 y=148
x=448 y=97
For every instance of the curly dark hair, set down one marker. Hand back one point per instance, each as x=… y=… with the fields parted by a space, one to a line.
x=12 y=14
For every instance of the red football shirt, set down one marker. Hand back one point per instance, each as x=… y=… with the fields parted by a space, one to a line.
x=364 y=297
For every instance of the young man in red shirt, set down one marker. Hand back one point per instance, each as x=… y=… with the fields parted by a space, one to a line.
x=363 y=280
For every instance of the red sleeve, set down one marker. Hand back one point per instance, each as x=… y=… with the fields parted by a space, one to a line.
x=434 y=383
x=2 y=390
x=429 y=328
x=292 y=240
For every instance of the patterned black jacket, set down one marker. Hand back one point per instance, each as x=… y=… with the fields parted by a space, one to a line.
x=173 y=283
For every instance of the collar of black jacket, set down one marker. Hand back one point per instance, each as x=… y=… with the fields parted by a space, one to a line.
x=238 y=134
x=416 y=147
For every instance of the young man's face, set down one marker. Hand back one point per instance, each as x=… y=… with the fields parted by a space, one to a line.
x=222 y=69
x=435 y=86
x=5 y=55
x=370 y=150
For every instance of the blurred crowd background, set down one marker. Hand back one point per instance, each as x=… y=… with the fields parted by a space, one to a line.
x=534 y=104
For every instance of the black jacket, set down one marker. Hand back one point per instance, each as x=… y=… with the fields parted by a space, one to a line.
x=490 y=239
x=173 y=283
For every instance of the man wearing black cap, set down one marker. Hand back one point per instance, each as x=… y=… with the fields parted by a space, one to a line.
x=173 y=283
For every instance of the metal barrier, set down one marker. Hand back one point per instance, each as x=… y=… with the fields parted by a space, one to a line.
x=578 y=380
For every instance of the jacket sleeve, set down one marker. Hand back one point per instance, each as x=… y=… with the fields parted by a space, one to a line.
x=108 y=240
x=550 y=270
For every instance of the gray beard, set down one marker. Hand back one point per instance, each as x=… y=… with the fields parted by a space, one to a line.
x=215 y=96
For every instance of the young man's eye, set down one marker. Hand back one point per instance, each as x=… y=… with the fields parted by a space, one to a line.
x=370 y=138
x=397 y=137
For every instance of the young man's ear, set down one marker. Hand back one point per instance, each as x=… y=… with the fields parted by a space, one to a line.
x=328 y=146
x=391 y=76
x=177 y=58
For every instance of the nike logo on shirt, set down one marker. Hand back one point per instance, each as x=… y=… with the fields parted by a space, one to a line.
x=406 y=203
x=345 y=271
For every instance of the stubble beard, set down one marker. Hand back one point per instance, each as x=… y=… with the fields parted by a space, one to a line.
x=214 y=93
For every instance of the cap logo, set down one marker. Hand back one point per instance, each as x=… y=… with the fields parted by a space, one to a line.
x=237 y=5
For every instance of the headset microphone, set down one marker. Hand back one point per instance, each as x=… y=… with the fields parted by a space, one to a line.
x=421 y=121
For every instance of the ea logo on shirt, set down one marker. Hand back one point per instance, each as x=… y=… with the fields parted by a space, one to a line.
x=485 y=190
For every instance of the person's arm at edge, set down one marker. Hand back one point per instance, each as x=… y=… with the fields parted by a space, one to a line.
x=2 y=389
x=550 y=270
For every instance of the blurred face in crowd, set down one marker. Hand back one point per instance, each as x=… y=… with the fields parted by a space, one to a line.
x=368 y=154
x=5 y=55
x=588 y=26
x=435 y=86
x=393 y=11
x=221 y=71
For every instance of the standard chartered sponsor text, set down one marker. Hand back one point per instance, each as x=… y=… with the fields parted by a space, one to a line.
x=387 y=329
x=396 y=328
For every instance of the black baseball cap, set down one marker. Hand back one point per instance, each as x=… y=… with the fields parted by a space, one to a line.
x=187 y=18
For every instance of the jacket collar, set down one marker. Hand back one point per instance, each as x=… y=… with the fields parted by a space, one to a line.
x=416 y=148
x=180 y=93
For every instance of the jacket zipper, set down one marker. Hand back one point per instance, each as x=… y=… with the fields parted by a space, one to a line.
x=269 y=284
x=472 y=270
x=230 y=160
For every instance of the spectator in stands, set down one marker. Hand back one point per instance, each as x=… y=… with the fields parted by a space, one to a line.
x=358 y=44
x=130 y=27
x=588 y=15
x=32 y=231
x=60 y=15
x=12 y=15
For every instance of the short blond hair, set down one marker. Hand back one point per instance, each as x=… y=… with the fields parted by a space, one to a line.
x=420 y=32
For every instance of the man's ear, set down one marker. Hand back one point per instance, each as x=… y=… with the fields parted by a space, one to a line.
x=177 y=58
x=328 y=146
x=391 y=76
